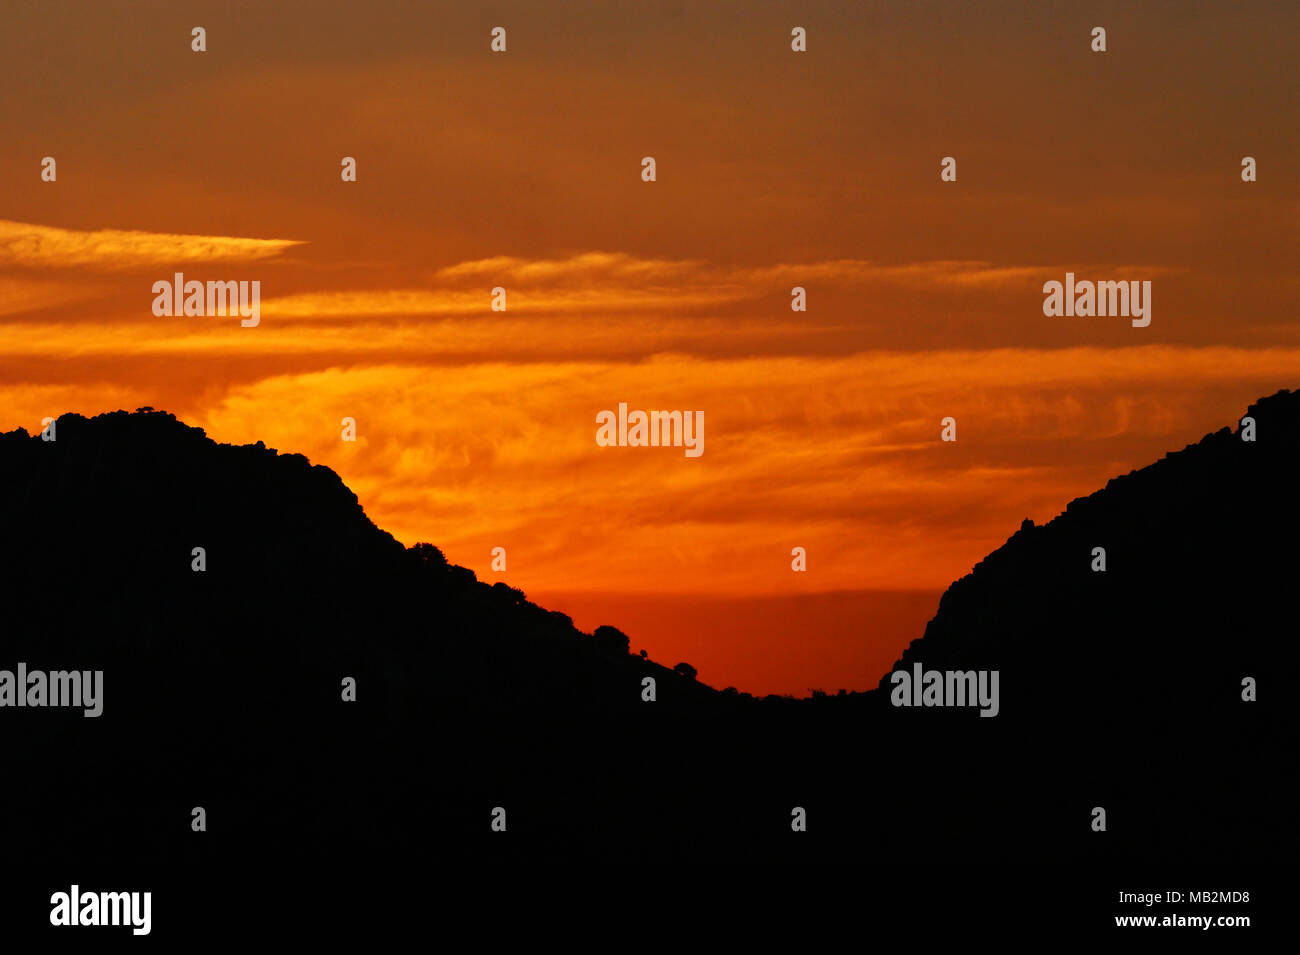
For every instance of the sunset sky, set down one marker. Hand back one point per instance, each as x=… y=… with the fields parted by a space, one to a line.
x=476 y=429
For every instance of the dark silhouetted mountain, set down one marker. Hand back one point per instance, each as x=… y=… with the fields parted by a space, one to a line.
x=222 y=689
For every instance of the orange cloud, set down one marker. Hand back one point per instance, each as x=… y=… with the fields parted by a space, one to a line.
x=584 y=268
x=614 y=282
x=23 y=244
x=432 y=302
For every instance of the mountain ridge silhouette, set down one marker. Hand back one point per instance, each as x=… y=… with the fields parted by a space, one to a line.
x=223 y=687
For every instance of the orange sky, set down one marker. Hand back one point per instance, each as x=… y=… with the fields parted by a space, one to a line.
x=522 y=170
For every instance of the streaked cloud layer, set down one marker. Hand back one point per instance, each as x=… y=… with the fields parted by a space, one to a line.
x=24 y=244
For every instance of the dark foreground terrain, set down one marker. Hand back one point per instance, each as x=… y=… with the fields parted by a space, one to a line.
x=222 y=689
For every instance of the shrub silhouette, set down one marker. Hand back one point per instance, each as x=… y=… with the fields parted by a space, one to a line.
x=612 y=641
x=429 y=554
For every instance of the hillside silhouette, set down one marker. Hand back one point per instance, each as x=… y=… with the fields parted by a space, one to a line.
x=1119 y=689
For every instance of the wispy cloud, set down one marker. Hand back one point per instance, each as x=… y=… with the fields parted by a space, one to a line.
x=25 y=244
x=586 y=266
x=519 y=299
x=609 y=268
x=618 y=282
